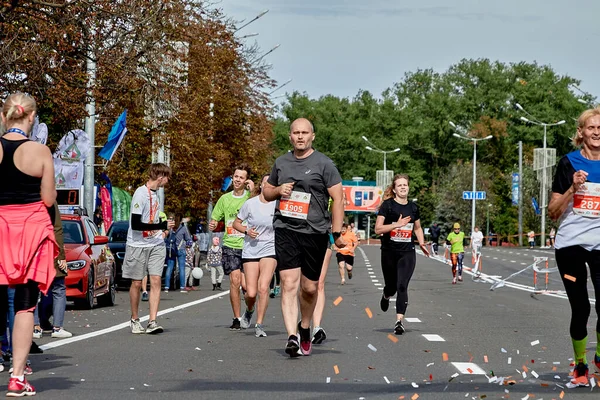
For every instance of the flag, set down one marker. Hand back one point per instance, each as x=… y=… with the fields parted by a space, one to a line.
x=115 y=137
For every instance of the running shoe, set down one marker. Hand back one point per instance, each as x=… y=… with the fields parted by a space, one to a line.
x=318 y=335
x=292 y=347
x=272 y=294
x=235 y=326
x=37 y=333
x=183 y=291
x=350 y=274
x=343 y=281
x=597 y=362
x=166 y=290
x=17 y=388
x=277 y=290
x=153 y=328
x=136 y=327
x=384 y=303
x=454 y=281
x=145 y=295
x=305 y=341
x=259 y=331
x=460 y=278
x=61 y=334
x=580 y=375
x=399 y=328
x=246 y=318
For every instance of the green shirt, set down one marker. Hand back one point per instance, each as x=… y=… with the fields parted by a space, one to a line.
x=227 y=209
x=457 y=247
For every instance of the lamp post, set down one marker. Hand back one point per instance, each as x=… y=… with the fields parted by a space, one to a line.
x=474 y=140
x=374 y=148
x=531 y=120
x=279 y=87
x=487 y=228
x=252 y=20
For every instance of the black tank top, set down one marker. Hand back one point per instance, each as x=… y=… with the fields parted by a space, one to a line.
x=17 y=187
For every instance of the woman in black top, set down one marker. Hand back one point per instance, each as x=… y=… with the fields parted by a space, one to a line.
x=396 y=221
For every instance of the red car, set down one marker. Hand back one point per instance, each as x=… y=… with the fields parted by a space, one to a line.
x=90 y=262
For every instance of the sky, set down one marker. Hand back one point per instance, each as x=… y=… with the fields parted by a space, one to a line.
x=342 y=46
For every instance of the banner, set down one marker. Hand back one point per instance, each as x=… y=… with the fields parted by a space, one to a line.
x=362 y=198
x=39 y=133
x=121 y=203
x=107 y=214
x=68 y=159
x=68 y=175
x=515 y=189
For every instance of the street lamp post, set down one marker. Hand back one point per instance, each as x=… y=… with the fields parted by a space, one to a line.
x=252 y=20
x=374 y=148
x=544 y=172
x=474 y=140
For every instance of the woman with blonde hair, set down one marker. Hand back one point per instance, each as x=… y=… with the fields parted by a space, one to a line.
x=397 y=220
x=27 y=243
x=575 y=203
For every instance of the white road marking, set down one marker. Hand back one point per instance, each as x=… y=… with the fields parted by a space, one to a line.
x=464 y=368
x=412 y=320
x=123 y=325
x=433 y=338
x=374 y=280
x=523 y=263
x=495 y=258
x=513 y=261
x=377 y=284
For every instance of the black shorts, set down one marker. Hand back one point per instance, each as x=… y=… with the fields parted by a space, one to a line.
x=347 y=258
x=247 y=260
x=232 y=260
x=301 y=250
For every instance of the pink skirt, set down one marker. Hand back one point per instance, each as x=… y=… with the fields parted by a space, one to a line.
x=27 y=245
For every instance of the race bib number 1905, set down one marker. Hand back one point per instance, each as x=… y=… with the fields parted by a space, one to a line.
x=586 y=202
x=295 y=206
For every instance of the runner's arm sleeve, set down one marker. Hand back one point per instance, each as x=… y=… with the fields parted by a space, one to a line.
x=138 y=225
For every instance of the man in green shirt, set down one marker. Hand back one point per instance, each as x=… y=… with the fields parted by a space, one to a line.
x=226 y=210
x=457 y=251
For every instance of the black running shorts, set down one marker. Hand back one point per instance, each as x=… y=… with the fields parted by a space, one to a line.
x=301 y=250
x=232 y=260
x=347 y=258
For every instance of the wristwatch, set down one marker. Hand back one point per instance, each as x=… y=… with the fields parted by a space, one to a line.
x=336 y=235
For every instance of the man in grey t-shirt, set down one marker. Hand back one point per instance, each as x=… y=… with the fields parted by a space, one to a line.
x=302 y=182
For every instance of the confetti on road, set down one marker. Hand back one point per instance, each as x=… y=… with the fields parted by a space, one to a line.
x=198 y=348
x=145 y=384
x=485 y=359
x=336 y=369
x=453 y=376
x=82 y=380
x=509 y=360
x=593 y=382
x=370 y=346
x=368 y=311
x=430 y=364
x=525 y=368
x=386 y=379
x=557 y=377
x=392 y=338
x=328 y=380
x=414 y=397
x=414 y=385
x=562 y=394
x=569 y=277
x=337 y=301
x=369 y=367
x=534 y=343
x=525 y=398
x=534 y=374
x=503 y=350
x=444 y=356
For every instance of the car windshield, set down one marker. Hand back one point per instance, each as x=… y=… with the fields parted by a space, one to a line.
x=118 y=233
x=72 y=232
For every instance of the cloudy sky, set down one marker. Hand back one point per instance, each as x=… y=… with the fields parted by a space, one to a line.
x=341 y=46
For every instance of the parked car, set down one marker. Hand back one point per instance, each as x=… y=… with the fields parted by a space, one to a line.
x=90 y=262
x=117 y=239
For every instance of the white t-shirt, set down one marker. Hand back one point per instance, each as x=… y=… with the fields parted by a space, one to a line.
x=259 y=216
x=477 y=238
x=145 y=203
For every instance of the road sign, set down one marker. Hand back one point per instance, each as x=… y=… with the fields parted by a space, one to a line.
x=474 y=195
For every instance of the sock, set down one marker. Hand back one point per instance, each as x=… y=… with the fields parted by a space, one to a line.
x=20 y=378
x=579 y=350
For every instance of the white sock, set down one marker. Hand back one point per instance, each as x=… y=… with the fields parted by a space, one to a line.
x=20 y=378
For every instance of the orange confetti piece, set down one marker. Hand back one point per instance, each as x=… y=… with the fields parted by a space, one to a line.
x=553 y=368
x=562 y=394
x=337 y=301
x=414 y=397
x=469 y=370
x=444 y=356
x=572 y=279
x=368 y=311
x=401 y=398
x=392 y=338
x=544 y=385
x=525 y=368
x=430 y=377
x=336 y=369
x=470 y=356
x=485 y=359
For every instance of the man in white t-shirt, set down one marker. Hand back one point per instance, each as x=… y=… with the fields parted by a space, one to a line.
x=145 y=251
x=476 y=241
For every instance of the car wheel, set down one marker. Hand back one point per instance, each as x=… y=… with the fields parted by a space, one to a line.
x=108 y=299
x=87 y=303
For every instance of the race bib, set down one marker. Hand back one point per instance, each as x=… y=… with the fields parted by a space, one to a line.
x=231 y=232
x=295 y=206
x=586 y=202
x=402 y=234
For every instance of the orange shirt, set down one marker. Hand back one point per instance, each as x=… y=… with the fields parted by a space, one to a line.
x=351 y=243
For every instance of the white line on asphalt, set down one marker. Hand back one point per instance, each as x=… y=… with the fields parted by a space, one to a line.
x=513 y=261
x=412 y=319
x=123 y=325
x=377 y=284
x=464 y=368
x=495 y=258
x=523 y=263
x=433 y=338
x=374 y=280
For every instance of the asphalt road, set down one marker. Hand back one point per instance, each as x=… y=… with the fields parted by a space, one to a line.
x=502 y=333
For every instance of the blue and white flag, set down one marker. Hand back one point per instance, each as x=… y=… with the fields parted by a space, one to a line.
x=117 y=133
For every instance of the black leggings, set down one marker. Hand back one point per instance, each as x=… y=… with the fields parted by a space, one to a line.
x=398 y=267
x=571 y=261
x=26 y=298
x=276 y=280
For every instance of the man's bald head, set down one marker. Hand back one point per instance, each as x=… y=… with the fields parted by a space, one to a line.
x=302 y=135
x=302 y=125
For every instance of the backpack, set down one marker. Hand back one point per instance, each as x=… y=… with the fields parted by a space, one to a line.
x=171 y=246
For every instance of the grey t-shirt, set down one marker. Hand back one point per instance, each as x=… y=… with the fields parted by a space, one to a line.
x=145 y=203
x=259 y=216
x=306 y=210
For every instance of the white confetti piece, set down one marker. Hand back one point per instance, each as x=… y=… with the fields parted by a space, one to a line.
x=370 y=346
x=328 y=379
x=414 y=385
x=503 y=350
x=560 y=386
x=506 y=391
x=593 y=383
x=534 y=374
x=146 y=385
x=386 y=379
x=430 y=364
x=82 y=380
x=131 y=388
x=524 y=374
x=198 y=348
x=535 y=342
x=450 y=315
x=454 y=375
x=467 y=395
x=556 y=377
x=525 y=398
x=556 y=362
x=518 y=352
x=51 y=373
x=509 y=360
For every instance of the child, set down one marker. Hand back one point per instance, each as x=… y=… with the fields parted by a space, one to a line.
x=531 y=236
x=189 y=265
x=213 y=259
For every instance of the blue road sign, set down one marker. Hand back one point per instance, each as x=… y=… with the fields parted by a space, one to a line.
x=474 y=195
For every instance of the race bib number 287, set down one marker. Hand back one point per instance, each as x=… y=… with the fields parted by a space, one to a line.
x=586 y=202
